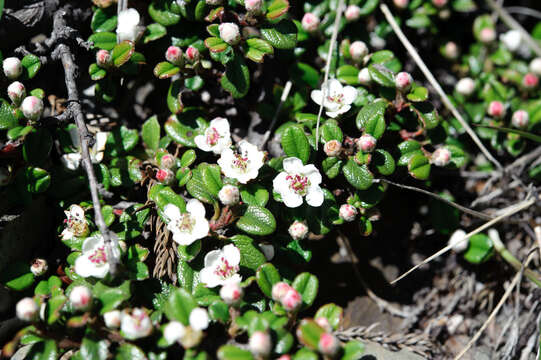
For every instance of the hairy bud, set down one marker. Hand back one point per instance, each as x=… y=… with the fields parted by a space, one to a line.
x=229 y=32
x=32 y=107
x=16 y=92
x=310 y=22
x=173 y=54
x=298 y=230
x=12 y=68
x=347 y=212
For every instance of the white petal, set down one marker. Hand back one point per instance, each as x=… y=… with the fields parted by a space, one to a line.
x=314 y=197
x=246 y=148
x=292 y=199
x=71 y=161
x=334 y=87
x=92 y=243
x=183 y=238
x=317 y=96
x=350 y=94
x=201 y=142
x=280 y=184
x=344 y=109
x=101 y=141
x=195 y=208
x=201 y=228
x=212 y=258
x=292 y=165
x=172 y=212
x=221 y=145
x=77 y=212
x=83 y=266
x=312 y=173
x=129 y=17
x=333 y=114
x=232 y=254
x=221 y=125
x=66 y=234
x=233 y=279
x=209 y=278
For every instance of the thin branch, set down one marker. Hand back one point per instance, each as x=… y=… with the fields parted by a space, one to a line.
x=339 y=10
x=509 y=211
x=63 y=53
x=513 y=24
x=283 y=98
x=448 y=104
x=523 y=11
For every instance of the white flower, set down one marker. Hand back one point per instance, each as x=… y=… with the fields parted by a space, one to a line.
x=199 y=319
x=127 y=25
x=112 y=319
x=136 y=324
x=229 y=195
x=32 y=107
x=189 y=226
x=260 y=344
x=364 y=77
x=298 y=230
x=347 y=212
x=72 y=161
x=26 y=309
x=93 y=260
x=512 y=40
x=76 y=224
x=16 y=92
x=298 y=181
x=457 y=241
x=216 y=137
x=242 y=165
x=80 y=297
x=221 y=267
x=338 y=98
x=12 y=67
x=229 y=32
x=441 y=156
x=231 y=293
x=520 y=119
x=535 y=66
x=173 y=332
x=465 y=86
x=39 y=267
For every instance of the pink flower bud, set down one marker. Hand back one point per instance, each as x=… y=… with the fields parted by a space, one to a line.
x=292 y=300
x=112 y=319
x=328 y=345
x=167 y=161
x=279 y=290
x=310 y=22
x=530 y=81
x=403 y=81
x=284 y=357
x=487 y=35
x=535 y=66
x=229 y=32
x=366 y=143
x=80 y=298
x=324 y=323
x=298 y=230
x=192 y=54
x=439 y=3
x=16 y=92
x=520 y=119
x=441 y=157
x=332 y=148
x=352 y=13
x=32 y=107
x=39 y=267
x=347 y=212
x=165 y=176
x=364 y=77
x=253 y=6
x=104 y=59
x=401 y=4
x=27 y=309
x=231 y=293
x=465 y=86
x=451 y=50
x=496 y=109
x=173 y=54
x=229 y=195
x=260 y=344
x=358 y=50
x=12 y=68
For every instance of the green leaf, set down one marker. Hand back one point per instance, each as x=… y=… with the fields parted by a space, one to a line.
x=184 y=127
x=153 y=32
x=330 y=130
x=309 y=333
x=236 y=79
x=381 y=75
x=151 y=133
x=36 y=180
x=408 y=149
x=166 y=195
x=96 y=73
x=371 y=118
x=214 y=14
x=266 y=277
x=231 y=352
x=257 y=48
x=188 y=158
x=282 y=35
x=358 y=176
x=122 y=53
x=17 y=276
x=284 y=341
x=212 y=179
x=162 y=12
x=104 y=20
x=103 y=40
x=111 y=297
x=254 y=194
x=418 y=94
x=128 y=351
x=427 y=113
x=332 y=312
x=196 y=186
x=480 y=249
x=179 y=305
x=277 y=8
x=219 y=311
x=165 y=70
x=384 y=162
x=257 y=220
x=419 y=167
x=173 y=97
x=331 y=167
x=189 y=252
x=353 y=350
x=31 y=65
x=295 y=143
x=348 y=74
x=108 y=214
x=304 y=73
x=54 y=308
x=37 y=145
x=307 y=285
x=250 y=255
x=7 y=116
x=94 y=349
x=215 y=44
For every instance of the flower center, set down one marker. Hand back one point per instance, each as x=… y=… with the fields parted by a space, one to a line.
x=298 y=183
x=186 y=223
x=336 y=98
x=99 y=256
x=240 y=162
x=212 y=136
x=224 y=270
x=76 y=226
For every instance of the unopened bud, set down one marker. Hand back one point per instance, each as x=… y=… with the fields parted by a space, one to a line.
x=32 y=107
x=192 y=54
x=465 y=86
x=260 y=344
x=173 y=54
x=451 y=50
x=16 y=92
x=310 y=22
x=298 y=230
x=535 y=66
x=199 y=319
x=173 y=332
x=332 y=148
x=347 y=212
x=366 y=143
x=284 y=357
x=292 y=300
x=231 y=293
x=12 y=68
x=279 y=290
x=401 y=4
x=352 y=13
x=27 y=309
x=229 y=195
x=253 y=6
x=39 y=267
x=457 y=242
x=439 y=3
x=80 y=298
x=328 y=344
x=441 y=157
x=103 y=59
x=487 y=35
x=530 y=81
x=364 y=77
x=496 y=109
x=229 y=32
x=520 y=119
x=167 y=161
x=403 y=81
x=165 y=176
x=112 y=319
x=324 y=323
x=358 y=50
